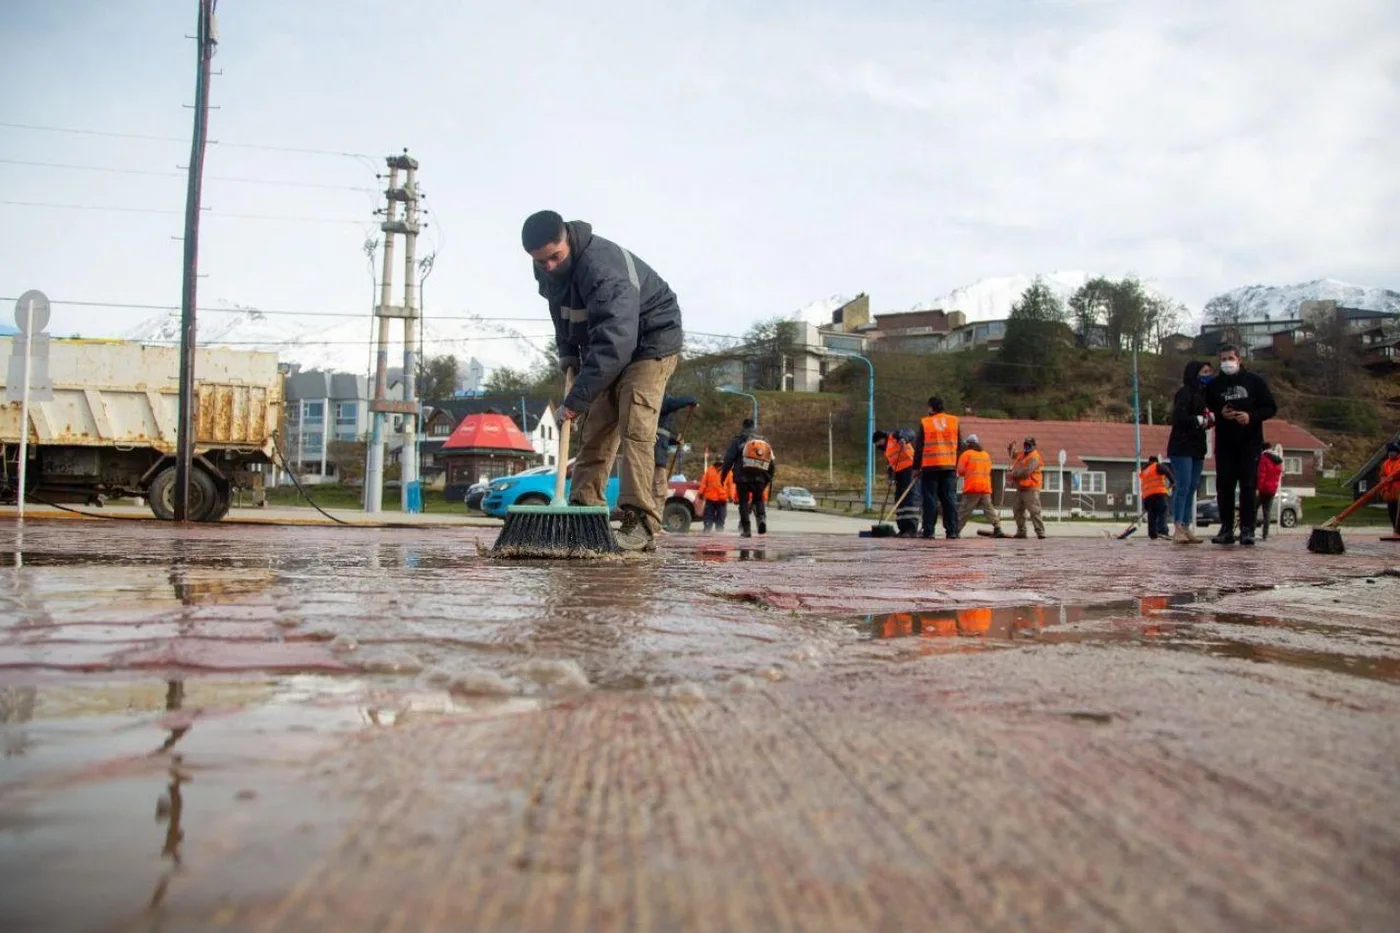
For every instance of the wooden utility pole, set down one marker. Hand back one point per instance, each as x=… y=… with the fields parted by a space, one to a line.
x=184 y=449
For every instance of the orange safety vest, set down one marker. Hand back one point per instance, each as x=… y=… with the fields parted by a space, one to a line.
x=975 y=621
x=975 y=467
x=898 y=454
x=711 y=488
x=1152 y=481
x=940 y=441
x=896 y=625
x=1390 y=473
x=1034 y=464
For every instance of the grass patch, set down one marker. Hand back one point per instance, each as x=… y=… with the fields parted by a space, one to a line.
x=335 y=496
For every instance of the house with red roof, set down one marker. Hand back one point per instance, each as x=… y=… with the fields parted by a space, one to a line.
x=486 y=444
x=1099 y=472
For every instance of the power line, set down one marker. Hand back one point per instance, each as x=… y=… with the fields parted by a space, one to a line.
x=176 y=139
x=149 y=172
x=161 y=210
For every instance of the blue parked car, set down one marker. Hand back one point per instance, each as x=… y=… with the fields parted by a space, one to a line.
x=536 y=487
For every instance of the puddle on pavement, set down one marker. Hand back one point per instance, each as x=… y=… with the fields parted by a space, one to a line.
x=1157 y=621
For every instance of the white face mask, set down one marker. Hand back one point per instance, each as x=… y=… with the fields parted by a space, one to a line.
x=1229 y=367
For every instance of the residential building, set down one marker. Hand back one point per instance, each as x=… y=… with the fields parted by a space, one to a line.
x=323 y=407
x=1370 y=472
x=1100 y=471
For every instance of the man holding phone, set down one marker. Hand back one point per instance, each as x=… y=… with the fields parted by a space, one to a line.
x=1242 y=402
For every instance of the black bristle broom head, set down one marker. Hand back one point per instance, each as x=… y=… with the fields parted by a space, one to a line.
x=556 y=532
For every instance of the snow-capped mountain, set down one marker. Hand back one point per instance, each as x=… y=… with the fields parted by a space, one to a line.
x=344 y=344
x=819 y=312
x=1281 y=302
x=991 y=299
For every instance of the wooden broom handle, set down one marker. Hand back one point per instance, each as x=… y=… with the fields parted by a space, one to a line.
x=1355 y=506
x=562 y=460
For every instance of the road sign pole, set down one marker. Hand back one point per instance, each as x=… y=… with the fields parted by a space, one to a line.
x=24 y=406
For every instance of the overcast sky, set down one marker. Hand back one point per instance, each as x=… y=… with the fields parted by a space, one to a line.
x=759 y=155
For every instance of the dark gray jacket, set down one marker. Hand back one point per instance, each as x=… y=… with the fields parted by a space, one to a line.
x=609 y=309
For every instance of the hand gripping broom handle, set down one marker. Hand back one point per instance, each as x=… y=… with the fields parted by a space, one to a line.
x=562 y=461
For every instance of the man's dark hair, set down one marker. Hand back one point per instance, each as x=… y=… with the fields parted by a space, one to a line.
x=748 y=424
x=541 y=229
x=1153 y=459
x=935 y=403
x=1225 y=348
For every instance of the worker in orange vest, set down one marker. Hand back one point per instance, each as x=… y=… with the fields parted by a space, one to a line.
x=898 y=448
x=975 y=468
x=936 y=453
x=1027 y=468
x=715 y=497
x=1154 y=481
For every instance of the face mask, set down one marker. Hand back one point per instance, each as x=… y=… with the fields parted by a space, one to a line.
x=1028 y=447
x=1205 y=378
x=1230 y=367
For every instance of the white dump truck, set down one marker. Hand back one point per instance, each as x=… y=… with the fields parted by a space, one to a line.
x=109 y=431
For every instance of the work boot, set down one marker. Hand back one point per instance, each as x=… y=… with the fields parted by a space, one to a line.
x=763 y=526
x=1247 y=537
x=1040 y=535
x=1225 y=537
x=634 y=534
x=744 y=532
x=998 y=533
x=1019 y=534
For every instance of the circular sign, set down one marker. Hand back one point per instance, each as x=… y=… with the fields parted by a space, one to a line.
x=38 y=312
x=1063 y=457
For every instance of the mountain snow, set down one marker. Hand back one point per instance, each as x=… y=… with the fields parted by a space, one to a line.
x=991 y=299
x=344 y=344
x=1281 y=302
x=819 y=312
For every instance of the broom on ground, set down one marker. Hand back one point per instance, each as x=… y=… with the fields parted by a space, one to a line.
x=558 y=530
x=1327 y=537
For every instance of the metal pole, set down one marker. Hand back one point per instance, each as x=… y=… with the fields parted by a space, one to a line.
x=830 y=454
x=869 y=432
x=184 y=436
x=411 y=497
x=1137 y=428
x=24 y=406
x=374 y=476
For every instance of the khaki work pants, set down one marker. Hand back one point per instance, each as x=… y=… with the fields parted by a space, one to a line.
x=1028 y=504
x=971 y=502
x=622 y=421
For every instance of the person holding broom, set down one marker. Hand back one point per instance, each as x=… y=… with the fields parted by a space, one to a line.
x=618 y=332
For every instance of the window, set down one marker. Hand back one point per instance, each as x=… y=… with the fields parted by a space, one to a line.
x=1091 y=482
x=440 y=429
x=1293 y=466
x=311 y=443
x=345 y=414
x=1052 y=481
x=346 y=435
x=313 y=412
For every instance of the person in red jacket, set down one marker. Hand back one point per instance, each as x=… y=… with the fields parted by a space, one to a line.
x=1267 y=482
x=1390 y=475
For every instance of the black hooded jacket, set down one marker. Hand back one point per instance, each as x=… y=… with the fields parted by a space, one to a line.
x=1244 y=391
x=1188 y=437
x=609 y=309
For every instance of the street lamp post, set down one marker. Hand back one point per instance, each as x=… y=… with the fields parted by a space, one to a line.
x=869 y=422
x=731 y=390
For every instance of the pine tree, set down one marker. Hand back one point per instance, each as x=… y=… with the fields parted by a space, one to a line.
x=1031 y=351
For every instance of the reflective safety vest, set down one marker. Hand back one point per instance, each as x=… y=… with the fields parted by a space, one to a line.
x=1152 y=481
x=1031 y=464
x=975 y=467
x=940 y=441
x=1390 y=474
x=899 y=454
x=975 y=621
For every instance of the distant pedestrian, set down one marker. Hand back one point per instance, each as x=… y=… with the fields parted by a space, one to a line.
x=1027 y=472
x=668 y=442
x=1267 y=481
x=936 y=453
x=1154 y=481
x=750 y=459
x=1390 y=476
x=898 y=448
x=1242 y=402
x=1186 y=448
x=714 y=493
x=975 y=468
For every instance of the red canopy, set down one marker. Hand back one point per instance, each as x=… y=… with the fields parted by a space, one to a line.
x=488 y=432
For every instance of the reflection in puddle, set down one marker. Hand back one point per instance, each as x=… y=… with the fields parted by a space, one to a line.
x=1153 y=620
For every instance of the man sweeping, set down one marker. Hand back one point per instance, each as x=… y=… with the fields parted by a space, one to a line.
x=617 y=326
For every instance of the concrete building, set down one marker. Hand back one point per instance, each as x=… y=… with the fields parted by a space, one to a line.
x=322 y=407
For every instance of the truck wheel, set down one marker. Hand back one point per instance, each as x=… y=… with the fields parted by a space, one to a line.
x=204 y=495
x=221 y=506
x=676 y=517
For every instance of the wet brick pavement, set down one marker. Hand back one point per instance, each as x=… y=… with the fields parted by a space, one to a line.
x=242 y=728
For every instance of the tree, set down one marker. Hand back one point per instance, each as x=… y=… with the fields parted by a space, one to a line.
x=1125 y=324
x=506 y=381
x=1227 y=314
x=1031 y=351
x=437 y=377
x=348 y=459
x=1089 y=305
x=767 y=345
x=1163 y=317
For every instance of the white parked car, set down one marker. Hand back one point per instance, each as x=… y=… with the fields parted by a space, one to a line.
x=796 y=498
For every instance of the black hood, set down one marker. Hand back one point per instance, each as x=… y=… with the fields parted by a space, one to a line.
x=580 y=234
x=559 y=286
x=1192 y=372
